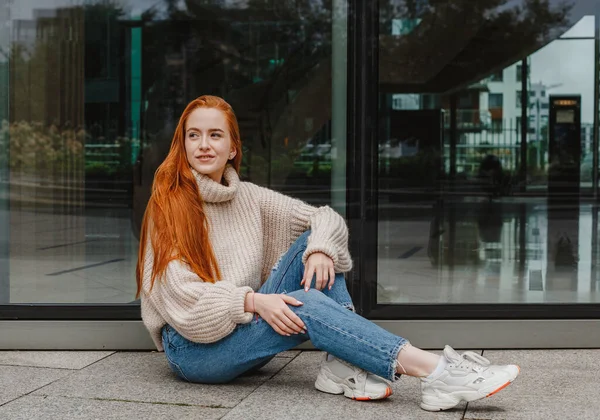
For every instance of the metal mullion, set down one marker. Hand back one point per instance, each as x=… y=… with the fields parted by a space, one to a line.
x=524 y=123
x=595 y=137
x=362 y=146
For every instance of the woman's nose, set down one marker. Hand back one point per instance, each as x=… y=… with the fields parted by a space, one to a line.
x=203 y=144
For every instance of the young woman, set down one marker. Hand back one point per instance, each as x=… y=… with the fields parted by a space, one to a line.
x=230 y=274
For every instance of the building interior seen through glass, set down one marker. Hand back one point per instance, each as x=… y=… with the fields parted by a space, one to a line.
x=488 y=158
x=91 y=92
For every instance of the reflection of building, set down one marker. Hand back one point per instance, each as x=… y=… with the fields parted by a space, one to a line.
x=46 y=86
x=502 y=100
x=587 y=138
x=54 y=84
x=46 y=94
x=504 y=96
x=539 y=106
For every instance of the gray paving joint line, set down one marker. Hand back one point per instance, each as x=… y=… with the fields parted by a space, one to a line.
x=41 y=367
x=135 y=401
x=58 y=368
x=73 y=371
x=289 y=360
x=36 y=389
x=99 y=360
x=467 y=404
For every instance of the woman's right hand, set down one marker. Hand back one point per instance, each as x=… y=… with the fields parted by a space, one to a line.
x=274 y=309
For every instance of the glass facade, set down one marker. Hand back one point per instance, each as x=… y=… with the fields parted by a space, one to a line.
x=459 y=140
x=485 y=194
x=91 y=93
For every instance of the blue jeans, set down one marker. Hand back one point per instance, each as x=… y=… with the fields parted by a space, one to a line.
x=330 y=325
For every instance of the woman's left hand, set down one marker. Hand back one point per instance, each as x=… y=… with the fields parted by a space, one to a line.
x=321 y=265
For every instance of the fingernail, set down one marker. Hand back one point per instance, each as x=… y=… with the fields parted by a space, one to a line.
x=289 y=335
x=300 y=302
x=304 y=331
x=306 y=289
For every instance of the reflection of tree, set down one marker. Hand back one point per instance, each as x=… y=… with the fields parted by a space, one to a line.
x=49 y=108
x=76 y=45
x=102 y=34
x=272 y=60
x=34 y=88
x=264 y=57
x=458 y=42
x=43 y=151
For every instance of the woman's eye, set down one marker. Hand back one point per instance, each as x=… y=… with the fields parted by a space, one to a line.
x=193 y=135
x=216 y=135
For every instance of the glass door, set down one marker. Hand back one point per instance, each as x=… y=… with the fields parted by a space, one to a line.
x=469 y=221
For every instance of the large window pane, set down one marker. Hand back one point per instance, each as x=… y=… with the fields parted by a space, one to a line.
x=90 y=93
x=470 y=204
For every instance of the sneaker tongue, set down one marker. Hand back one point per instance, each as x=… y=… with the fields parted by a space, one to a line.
x=451 y=355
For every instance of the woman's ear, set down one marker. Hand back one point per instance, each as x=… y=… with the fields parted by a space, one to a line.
x=232 y=154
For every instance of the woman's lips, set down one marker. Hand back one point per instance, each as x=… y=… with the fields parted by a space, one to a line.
x=205 y=158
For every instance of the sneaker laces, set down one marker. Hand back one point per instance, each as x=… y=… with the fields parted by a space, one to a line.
x=472 y=360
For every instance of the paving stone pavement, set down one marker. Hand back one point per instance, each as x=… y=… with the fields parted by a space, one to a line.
x=554 y=384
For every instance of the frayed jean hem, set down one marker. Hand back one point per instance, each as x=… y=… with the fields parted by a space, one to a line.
x=392 y=373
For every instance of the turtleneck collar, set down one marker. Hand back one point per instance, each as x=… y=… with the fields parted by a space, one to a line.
x=213 y=192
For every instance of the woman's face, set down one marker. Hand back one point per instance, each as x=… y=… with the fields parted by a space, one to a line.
x=208 y=143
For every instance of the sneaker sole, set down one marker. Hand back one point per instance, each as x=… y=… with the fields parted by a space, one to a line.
x=328 y=386
x=430 y=407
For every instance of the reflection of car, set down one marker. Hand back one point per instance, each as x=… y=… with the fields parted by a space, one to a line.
x=310 y=154
x=394 y=148
x=321 y=150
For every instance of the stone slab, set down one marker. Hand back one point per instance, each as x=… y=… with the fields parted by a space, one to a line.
x=17 y=381
x=290 y=354
x=553 y=384
x=291 y=395
x=146 y=377
x=50 y=408
x=52 y=359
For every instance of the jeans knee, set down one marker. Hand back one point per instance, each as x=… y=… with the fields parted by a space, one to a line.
x=313 y=295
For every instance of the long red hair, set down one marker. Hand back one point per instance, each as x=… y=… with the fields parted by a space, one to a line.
x=175 y=211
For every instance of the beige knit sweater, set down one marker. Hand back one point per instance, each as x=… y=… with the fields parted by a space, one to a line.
x=250 y=228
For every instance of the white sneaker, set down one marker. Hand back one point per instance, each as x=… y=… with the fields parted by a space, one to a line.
x=467 y=377
x=339 y=377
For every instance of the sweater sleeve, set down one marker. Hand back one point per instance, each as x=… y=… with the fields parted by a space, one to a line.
x=329 y=233
x=201 y=312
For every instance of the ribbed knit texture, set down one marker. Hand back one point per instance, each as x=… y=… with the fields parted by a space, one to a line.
x=250 y=228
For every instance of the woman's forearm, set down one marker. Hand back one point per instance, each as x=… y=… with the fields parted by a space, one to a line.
x=250 y=302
